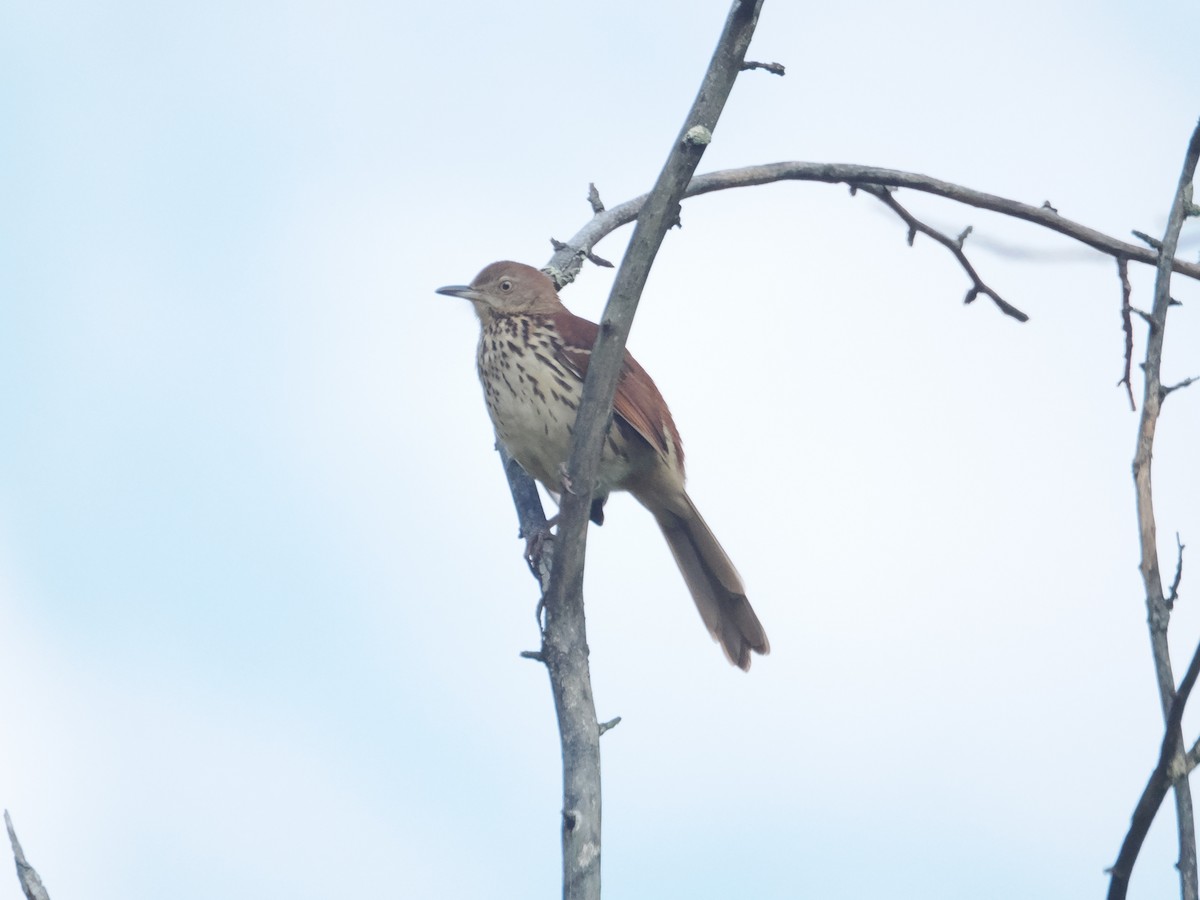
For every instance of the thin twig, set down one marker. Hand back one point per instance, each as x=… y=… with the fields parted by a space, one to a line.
x=915 y=225
x=1127 y=327
x=1169 y=389
x=593 y=197
x=1173 y=594
x=773 y=68
x=1146 y=239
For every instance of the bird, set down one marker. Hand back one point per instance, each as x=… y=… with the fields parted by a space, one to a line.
x=532 y=358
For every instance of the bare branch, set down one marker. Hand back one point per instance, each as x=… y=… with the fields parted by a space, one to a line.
x=1157 y=606
x=1127 y=326
x=609 y=725
x=1175 y=387
x=773 y=68
x=915 y=225
x=564 y=266
x=31 y=883
x=1156 y=788
x=594 y=199
x=599 y=260
x=564 y=638
x=1173 y=594
x=1147 y=239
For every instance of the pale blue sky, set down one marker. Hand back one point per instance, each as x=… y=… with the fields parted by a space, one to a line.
x=261 y=600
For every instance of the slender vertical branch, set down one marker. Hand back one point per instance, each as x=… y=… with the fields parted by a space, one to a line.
x=1127 y=328
x=564 y=641
x=1158 y=610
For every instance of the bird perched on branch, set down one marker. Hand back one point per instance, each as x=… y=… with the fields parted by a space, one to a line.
x=533 y=355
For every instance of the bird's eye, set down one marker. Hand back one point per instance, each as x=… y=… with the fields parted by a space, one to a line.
x=506 y=285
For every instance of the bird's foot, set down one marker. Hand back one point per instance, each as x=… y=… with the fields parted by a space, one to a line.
x=565 y=479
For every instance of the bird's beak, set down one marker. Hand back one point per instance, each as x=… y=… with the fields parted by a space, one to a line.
x=464 y=291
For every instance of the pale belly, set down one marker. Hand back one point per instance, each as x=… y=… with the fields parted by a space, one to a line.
x=532 y=400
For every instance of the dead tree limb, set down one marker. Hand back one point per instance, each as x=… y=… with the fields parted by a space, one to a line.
x=569 y=255
x=1157 y=607
x=564 y=639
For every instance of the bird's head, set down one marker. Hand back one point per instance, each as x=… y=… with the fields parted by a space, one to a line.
x=508 y=287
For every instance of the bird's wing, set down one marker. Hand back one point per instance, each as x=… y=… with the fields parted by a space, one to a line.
x=638 y=401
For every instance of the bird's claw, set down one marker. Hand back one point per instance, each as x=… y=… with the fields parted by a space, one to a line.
x=567 y=486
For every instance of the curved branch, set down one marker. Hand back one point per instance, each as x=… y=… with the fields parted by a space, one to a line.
x=566 y=262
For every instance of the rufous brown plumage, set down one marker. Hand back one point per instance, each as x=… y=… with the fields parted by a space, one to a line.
x=532 y=358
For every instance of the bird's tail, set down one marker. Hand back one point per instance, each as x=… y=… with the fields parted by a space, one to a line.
x=715 y=584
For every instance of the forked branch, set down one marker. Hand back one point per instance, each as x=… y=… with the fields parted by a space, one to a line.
x=569 y=255
x=954 y=245
x=1158 y=602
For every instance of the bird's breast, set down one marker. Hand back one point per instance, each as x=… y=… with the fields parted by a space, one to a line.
x=533 y=396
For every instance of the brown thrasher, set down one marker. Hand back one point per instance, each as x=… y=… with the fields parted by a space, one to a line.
x=533 y=354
